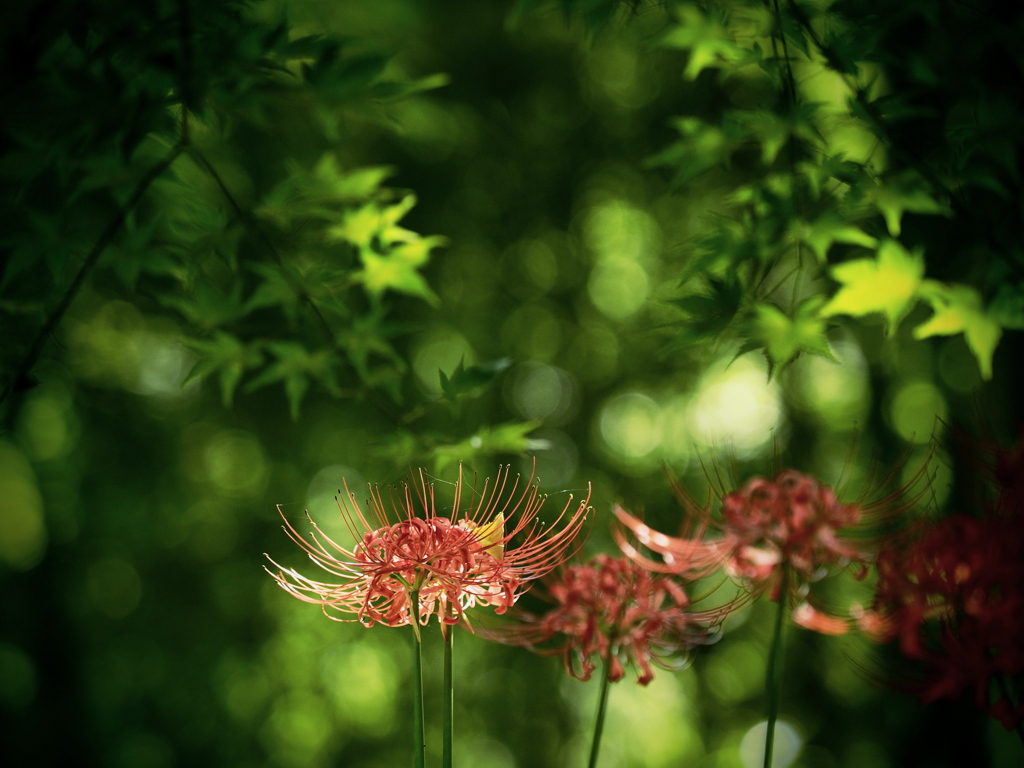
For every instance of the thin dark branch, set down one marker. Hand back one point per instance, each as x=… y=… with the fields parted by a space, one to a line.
x=275 y=255
x=19 y=382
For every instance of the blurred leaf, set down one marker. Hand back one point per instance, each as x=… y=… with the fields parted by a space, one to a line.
x=228 y=357
x=827 y=229
x=774 y=130
x=894 y=197
x=783 y=337
x=295 y=367
x=322 y=192
x=467 y=381
x=207 y=306
x=703 y=146
x=959 y=309
x=1007 y=307
x=708 y=313
x=886 y=284
x=502 y=439
x=707 y=40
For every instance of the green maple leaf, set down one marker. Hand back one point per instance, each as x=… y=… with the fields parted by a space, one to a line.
x=707 y=40
x=228 y=357
x=501 y=439
x=827 y=229
x=784 y=337
x=959 y=309
x=886 y=284
x=295 y=367
x=893 y=198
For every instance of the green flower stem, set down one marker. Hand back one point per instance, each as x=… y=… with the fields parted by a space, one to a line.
x=773 y=683
x=602 y=706
x=449 y=700
x=419 y=745
x=1006 y=691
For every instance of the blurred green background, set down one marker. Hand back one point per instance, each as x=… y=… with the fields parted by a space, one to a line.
x=138 y=626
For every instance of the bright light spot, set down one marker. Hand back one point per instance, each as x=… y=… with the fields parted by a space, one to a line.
x=532 y=332
x=676 y=441
x=914 y=410
x=486 y=753
x=542 y=392
x=234 y=462
x=836 y=395
x=163 y=366
x=736 y=408
x=22 y=527
x=618 y=288
x=617 y=230
x=539 y=263
x=785 y=751
x=651 y=723
x=48 y=426
x=363 y=681
x=631 y=425
x=298 y=730
x=623 y=239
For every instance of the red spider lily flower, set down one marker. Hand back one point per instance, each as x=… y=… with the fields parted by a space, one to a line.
x=615 y=610
x=487 y=552
x=792 y=520
x=790 y=524
x=966 y=574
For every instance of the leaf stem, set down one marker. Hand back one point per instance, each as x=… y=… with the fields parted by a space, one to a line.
x=448 y=702
x=773 y=683
x=602 y=705
x=419 y=740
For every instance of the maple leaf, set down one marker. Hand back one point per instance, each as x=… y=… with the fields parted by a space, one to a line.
x=959 y=309
x=784 y=337
x=901 y=195
x=886 y=284
x=827 y=229
x=707 y=40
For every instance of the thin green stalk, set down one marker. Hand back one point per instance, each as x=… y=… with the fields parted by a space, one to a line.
x=449 y=700
x=1005 y=690
x=602 y=706
x=773 y=684
x=419 y=744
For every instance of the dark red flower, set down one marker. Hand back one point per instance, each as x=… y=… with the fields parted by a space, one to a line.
x=965 y=576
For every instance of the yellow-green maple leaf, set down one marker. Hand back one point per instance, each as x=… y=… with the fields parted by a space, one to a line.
x=785 y=337
x=886 y=284
x=959 y=309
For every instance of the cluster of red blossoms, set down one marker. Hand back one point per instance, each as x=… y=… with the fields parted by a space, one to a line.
x=966 y=575
x=616 y=611
x=427 y=564
x=963 y=575
x=777 y=536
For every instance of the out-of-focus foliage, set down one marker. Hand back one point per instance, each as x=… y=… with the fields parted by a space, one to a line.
x=248 y=249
